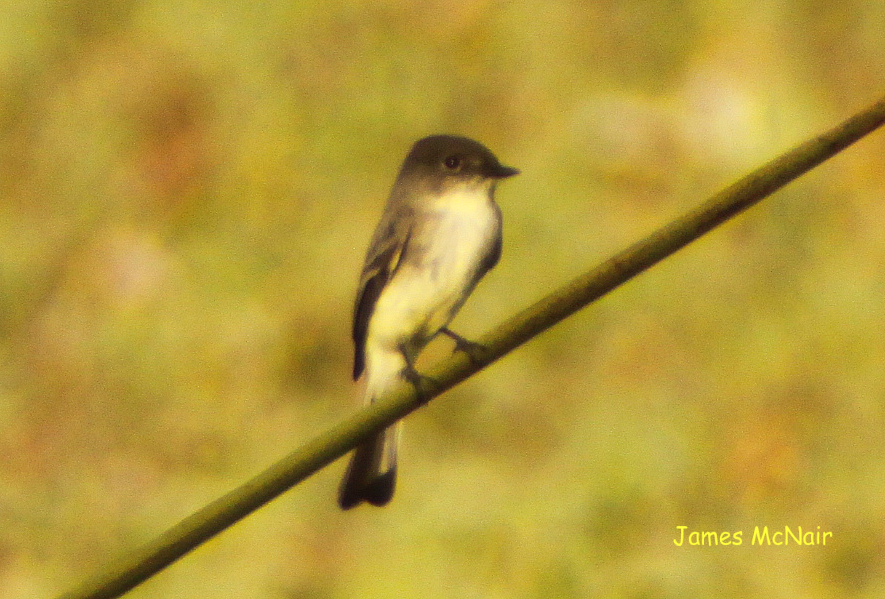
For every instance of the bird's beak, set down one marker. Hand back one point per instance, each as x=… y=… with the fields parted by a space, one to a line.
x=502 y=172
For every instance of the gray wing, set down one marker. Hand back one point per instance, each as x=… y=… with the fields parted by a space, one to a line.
x=382 y=260
x=491 y=259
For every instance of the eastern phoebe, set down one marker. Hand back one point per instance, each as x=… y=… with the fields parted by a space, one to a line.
x=439 y=234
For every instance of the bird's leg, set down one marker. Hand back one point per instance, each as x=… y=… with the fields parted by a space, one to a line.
x=414 y=377
x=471 y=348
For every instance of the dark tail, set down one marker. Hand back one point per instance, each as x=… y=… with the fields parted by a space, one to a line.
x=371 y=474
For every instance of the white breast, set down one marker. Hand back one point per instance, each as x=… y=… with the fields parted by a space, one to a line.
x=437 y=275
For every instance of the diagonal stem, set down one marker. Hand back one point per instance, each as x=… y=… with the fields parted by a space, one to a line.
x=329 y=446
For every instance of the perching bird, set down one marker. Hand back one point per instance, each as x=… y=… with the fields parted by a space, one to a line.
x=439 y=234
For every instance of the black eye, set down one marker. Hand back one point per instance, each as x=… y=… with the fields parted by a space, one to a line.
x=452 y=163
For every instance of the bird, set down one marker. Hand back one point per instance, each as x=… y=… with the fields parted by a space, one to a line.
x=439 y=234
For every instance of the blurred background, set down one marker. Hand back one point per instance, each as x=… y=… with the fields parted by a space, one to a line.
x=187 y=190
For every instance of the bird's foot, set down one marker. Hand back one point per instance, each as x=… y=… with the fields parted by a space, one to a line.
x=473 y=349
x=419 y=381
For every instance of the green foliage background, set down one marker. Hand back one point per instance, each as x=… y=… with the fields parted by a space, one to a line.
x=186 y=192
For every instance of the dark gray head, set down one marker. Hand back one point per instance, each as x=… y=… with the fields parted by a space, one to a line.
x=451 y=159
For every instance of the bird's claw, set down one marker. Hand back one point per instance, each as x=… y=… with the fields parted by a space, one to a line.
x=473 y=349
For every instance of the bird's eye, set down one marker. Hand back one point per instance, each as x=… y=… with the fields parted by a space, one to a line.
x=452 y=163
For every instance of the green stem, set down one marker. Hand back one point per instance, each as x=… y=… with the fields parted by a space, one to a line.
x=324 y=449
